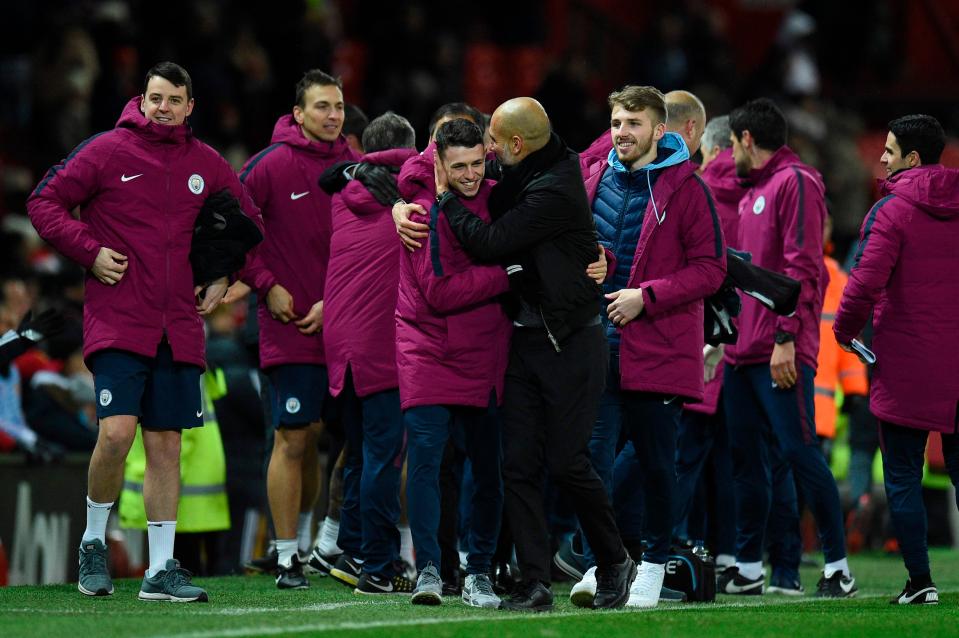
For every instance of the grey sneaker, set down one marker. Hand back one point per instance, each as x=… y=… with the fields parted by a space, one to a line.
x=94 y=576
x=429 y=587
x=172 y=583
x=478 y=592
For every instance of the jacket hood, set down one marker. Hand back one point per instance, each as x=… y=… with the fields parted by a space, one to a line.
x=287 y=131
x=670 y=150
x=933 y=188
x=419 y=169
x=721 y=176
x=133 y=118
x=783 y=159
x=390 y=157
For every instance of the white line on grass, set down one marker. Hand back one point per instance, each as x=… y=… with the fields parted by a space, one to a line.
x=194 y=610
x=273 y=629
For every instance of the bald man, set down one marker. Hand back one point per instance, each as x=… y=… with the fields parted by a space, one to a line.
x=686 y=115
x=543 y=232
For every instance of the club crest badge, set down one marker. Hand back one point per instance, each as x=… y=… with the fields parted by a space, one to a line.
x=292 y=405
x=759 y=205
x=106 y=397
x=196 y=183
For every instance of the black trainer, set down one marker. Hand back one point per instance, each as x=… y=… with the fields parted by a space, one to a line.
x=912 y=595
x=730 y=581
x=263 y=565
x=836 y=586
x=612 y=584
x=291 y=577
x=667 y=595
x=323 y=563
x=529 y=595
x=347 y=570
x=371 y=585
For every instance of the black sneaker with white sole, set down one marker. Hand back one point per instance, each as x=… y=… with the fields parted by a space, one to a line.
x=370 y=585
x=730 y=581
x=291 y=577
x=912 y=595
x=347 y=570
x=323 y=563
x=836 y=586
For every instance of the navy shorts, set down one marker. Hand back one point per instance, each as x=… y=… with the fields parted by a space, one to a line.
x=163 y=393
x=298 y=393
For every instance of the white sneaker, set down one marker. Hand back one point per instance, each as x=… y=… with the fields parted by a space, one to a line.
x=584 y=591
x=644 y=594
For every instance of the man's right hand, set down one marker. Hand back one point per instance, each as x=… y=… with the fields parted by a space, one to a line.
x=237 y=291
x=109 y=266
x=408 y=230
x=280 y=304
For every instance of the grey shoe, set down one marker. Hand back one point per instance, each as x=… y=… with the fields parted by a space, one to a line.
x=172 y=583
x=478 y=592
x=429 y=587
x=94 y=576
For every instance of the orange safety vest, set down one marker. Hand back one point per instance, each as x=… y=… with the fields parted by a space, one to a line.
x=837 y=368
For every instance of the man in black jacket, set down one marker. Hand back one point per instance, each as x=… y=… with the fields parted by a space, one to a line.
x=543 y=231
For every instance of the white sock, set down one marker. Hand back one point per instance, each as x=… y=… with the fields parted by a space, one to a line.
x=406 y=544
x=285 y=548
x=97 y=516
x=752 y=571
x=160 y=535
x=841 y=565
x=327 y=543
x=725 y=560
x=304 y=532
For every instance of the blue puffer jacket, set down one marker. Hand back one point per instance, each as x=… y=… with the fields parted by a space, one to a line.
x=619 y=207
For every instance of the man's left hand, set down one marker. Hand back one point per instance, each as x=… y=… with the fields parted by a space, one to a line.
x=782 y=365
x=212 y=296
x=597 y=270
x=626 y=304
x=313 y=321
x=440 y=176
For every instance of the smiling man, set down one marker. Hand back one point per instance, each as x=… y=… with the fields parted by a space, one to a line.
x=658 y=218
x=139 y=188
x=452 y=341
x=288 y=275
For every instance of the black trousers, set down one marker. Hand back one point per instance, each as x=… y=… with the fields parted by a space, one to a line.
x=551 y=401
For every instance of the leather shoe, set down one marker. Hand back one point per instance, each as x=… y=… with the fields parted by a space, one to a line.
x=530 y=595
x=612 y=584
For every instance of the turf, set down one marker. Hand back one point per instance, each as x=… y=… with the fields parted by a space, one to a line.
x=251 y=606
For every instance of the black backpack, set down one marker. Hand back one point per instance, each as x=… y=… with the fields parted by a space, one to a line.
x=693 y=574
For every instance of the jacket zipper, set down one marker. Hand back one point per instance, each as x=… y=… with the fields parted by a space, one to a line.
x=166 y=296
x=549 y=333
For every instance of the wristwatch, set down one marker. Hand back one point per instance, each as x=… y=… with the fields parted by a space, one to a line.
x=784 y=337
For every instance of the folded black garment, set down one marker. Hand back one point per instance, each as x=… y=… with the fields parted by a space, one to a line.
x=778 y=292
x=222 y=236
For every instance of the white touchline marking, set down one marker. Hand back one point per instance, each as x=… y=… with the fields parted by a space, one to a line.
x=194 y=610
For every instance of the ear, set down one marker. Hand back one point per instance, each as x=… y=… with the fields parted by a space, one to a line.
x=143 y=100
x=189 y=107
x=659 y=131
x=913 y=159
x=298 y=114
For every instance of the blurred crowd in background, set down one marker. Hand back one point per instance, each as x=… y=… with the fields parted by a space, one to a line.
x=840 y=70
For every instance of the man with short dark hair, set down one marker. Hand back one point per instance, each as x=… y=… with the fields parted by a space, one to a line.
x=354 y=123
x=359 y=335
x=905 y=279
x=452 y=345
x=288 y=274
x=139 y=188
x=768 y=383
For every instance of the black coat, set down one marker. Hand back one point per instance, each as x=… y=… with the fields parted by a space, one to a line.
x=541 y=220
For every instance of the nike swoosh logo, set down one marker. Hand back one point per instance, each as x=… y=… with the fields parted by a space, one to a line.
x=199 y=413
x=296 y=196
x=388 y=588
x=124 y=178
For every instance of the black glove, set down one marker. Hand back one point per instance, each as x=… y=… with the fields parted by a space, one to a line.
x=380 y=181
x=332 y=181
x=46 y=324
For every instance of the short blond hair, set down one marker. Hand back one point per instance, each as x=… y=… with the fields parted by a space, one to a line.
x=638 y=98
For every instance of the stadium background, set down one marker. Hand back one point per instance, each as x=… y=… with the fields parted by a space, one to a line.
x=840 y=70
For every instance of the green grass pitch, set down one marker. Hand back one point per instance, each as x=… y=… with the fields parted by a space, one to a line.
x=252 y=606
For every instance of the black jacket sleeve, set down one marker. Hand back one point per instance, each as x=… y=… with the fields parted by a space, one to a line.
x=539 y=215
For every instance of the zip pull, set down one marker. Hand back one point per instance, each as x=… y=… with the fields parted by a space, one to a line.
x=549 y=333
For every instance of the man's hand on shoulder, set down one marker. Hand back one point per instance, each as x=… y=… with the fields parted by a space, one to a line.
x=409 y=231
x=109 y=266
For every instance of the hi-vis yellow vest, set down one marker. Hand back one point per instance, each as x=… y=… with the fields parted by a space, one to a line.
x=203 y=503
